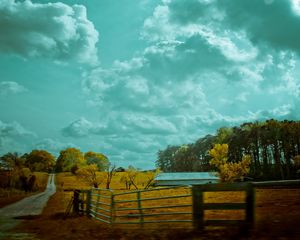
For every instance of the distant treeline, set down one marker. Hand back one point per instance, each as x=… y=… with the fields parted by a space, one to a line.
x=69 y=159
x=274 y=147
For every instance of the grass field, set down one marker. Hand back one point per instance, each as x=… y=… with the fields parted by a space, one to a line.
x=277 y=217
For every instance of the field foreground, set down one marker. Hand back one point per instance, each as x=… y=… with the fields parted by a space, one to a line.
x=277 y=217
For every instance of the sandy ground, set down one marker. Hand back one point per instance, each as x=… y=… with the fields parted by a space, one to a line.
x=30 y=206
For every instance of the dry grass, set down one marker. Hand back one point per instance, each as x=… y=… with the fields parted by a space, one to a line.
x=8 y=196
x=41 y=180
x=11 y=195
x=277 y=214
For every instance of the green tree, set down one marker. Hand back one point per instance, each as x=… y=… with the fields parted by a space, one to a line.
x=184 y=159
x=12 y=161
x=165 y=159
x=201 y=150
x=223 y=135
x=70 y=158
x=97 y=158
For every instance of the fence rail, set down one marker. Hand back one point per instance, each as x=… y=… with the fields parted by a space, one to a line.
x=135 y=207
x=199 y=207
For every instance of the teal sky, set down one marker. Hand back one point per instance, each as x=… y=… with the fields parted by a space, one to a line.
x=129 y=77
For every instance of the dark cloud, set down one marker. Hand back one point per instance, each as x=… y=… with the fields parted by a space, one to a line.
x=276 y=23
x=52 y=30
x=271 y=22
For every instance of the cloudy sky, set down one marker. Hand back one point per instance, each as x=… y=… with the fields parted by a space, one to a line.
x=129 y=77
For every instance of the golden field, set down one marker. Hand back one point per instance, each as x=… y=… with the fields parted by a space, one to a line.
x=275 y=199
x=277 y=216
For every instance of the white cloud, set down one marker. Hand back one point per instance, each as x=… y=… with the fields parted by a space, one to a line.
x=122 y=124
x=78 y=128
x=13 y=129
x=54 y=146
x=14 y=137
x=198 y=72
x=9 y=87
x=51 y=30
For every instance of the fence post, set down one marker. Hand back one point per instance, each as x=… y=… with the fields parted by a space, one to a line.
x=140 y=208
x=88 y=201
x=98 y=200
x=112 y=208
x=198 y=211
x=76 y=201
x=250 y=204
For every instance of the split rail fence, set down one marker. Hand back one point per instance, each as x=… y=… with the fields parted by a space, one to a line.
x=164 y=205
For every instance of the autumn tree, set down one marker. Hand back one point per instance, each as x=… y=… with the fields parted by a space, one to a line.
x=70 y=159
x=97 y=158
x=296 y=161
x=148 y=178
x=138 y=179
x=40 y=160
x=132 y=176
x=89 y=174
x=14 y=163
x=228 y=171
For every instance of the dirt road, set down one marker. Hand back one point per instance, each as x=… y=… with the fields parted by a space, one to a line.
x=29 y=206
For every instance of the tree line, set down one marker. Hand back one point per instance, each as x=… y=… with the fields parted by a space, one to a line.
x=17 y=171
x=274 y=148
x=69 y=159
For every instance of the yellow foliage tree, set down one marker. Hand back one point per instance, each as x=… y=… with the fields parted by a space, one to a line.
x=137 y=179
x=89 y=175
x=228 y=171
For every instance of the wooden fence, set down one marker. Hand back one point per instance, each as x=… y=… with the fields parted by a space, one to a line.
x=133 y=208
x=140 y=207
x=199 y=206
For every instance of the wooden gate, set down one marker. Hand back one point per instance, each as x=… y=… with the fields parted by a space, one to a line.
x=199 y=206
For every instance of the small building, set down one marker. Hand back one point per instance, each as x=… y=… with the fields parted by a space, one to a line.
x=185 y=178
x=120 y=169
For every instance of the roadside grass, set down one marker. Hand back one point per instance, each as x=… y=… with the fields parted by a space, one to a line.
x=277 y=216
x=11 y=195
x=8 y=196
x=41 y=181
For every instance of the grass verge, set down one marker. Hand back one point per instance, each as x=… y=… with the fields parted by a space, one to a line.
x=12 y=195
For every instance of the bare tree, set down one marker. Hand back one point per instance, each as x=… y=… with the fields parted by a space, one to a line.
x=111 y=171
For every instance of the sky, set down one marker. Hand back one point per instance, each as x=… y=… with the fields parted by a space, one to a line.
x=129 y=77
